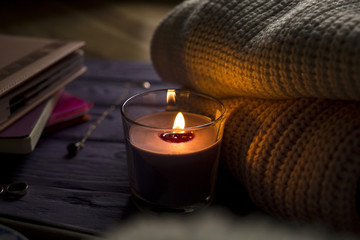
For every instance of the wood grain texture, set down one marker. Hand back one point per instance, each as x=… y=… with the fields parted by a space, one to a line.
x=89 y=193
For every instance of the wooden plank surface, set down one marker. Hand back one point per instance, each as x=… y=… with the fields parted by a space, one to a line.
x=89 y=192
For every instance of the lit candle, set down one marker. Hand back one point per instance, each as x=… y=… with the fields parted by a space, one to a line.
x=175 y=167
x=172 y=154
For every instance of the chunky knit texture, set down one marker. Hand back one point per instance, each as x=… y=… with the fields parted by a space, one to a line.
x=297 y=158
x=262 y=48
x=289 y=74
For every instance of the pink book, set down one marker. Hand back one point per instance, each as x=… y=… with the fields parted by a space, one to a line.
x=68 y=107
x=60 y=111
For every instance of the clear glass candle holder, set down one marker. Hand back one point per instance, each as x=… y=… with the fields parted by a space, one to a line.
x=173 y=140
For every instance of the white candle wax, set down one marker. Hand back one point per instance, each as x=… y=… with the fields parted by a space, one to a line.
x=169 y=173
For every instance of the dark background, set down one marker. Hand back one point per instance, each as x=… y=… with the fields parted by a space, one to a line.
x=111 y=29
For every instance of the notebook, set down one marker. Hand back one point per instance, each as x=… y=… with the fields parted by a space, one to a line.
x=22 y=136
x=60 y=111
x=32 y=70
x=69 y=110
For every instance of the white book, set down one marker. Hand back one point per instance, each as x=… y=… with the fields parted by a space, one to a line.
x=33 y=69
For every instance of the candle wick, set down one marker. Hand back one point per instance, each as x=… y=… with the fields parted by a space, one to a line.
x=177 y=137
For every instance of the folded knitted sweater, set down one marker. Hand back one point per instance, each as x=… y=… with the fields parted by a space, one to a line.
x=289 y=74
x=262 y=48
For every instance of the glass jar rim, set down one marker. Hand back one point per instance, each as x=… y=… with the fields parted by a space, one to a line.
x=212 y=122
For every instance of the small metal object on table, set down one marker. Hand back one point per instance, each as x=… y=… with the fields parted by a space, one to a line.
x=15 y=189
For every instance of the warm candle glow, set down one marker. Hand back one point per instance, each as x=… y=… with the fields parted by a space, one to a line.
x=179 y=122
x=170 y=96
x=178 y=136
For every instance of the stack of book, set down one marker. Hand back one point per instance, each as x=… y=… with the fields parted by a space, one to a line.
x=33 y=73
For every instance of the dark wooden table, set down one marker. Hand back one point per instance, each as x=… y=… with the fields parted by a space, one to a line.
x=89 y=192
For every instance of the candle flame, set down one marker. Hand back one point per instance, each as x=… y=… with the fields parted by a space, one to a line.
x=170 y=96
x=179 y=122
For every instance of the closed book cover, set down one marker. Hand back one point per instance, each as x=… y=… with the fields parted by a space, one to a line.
x=69 y=110
x=22 y=136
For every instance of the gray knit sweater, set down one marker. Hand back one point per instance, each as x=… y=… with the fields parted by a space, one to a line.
x=289 y=74
x=262 y=48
